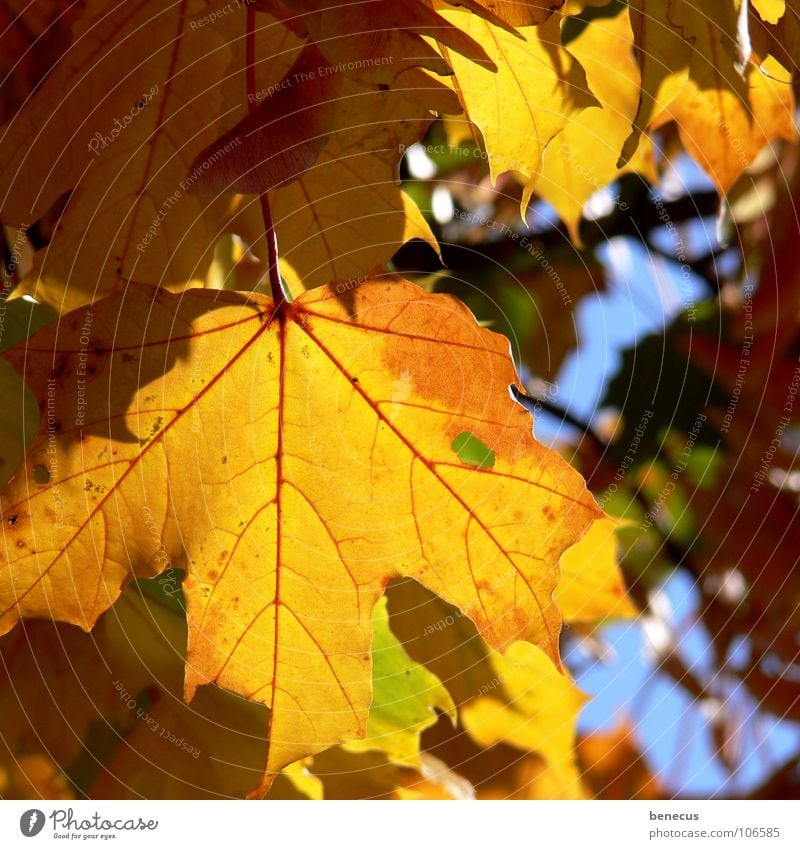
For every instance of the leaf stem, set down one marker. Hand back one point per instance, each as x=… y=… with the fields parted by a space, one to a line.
x=279 y=294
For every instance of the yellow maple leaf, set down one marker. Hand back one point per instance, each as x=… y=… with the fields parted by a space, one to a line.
x=591 y=588
x=129 y=160
x=315 y=497
x=536 y=91
x=527 y=704
x=376 y=41
x=725 y=134
x=663 y=57
x=405 y=698
x=345 y=214
x=121 y=144
x=720 y=43
x=583 y=157
x=506 y=703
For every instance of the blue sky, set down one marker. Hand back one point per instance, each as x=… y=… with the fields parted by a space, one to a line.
x=644 y=294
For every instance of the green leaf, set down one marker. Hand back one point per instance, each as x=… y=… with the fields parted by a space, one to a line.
x=405 y=697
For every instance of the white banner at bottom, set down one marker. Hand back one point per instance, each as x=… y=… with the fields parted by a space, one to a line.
x=398 y=825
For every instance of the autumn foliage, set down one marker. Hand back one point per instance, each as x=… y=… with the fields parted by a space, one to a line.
x=274 y=519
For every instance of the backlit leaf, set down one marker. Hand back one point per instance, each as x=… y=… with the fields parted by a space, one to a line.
x=120 y=144
x=591 y=587
x=527 y=705
x=583 y=157
x=521 y=13
x=663 y=56
x=376 y=41
x=306 y=525
x=405 y=697
x=725 y=134
x=537 y=90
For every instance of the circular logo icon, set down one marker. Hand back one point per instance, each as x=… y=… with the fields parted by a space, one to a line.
x=31 y=822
